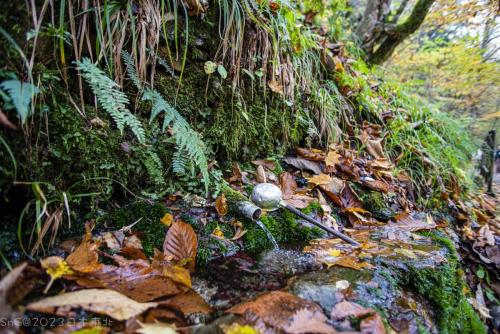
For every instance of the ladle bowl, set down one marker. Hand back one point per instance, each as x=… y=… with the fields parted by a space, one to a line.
x=269 y=197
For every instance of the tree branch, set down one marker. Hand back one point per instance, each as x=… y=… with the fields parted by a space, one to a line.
x=401 y=31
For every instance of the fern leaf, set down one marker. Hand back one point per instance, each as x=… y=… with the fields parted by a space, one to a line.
x=20 y=94
x=131 y=69
x=111 y=98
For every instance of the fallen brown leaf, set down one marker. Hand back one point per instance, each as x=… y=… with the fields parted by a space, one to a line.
x=85 y=258
x=269 y=164
x=346 y=309
x=260 y=175
x=332 y=158
x=372 y=325
x=321 y=179
x=188 y=303
x=311 y=154
x=101 y=301
x=307 y=321
x=275 y=308
x=221 y=205
x=181 y=243
x=287 y=184
x=304 y=164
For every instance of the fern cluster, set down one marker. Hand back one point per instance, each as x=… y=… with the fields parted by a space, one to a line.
x=190 y=146
x=111 y=98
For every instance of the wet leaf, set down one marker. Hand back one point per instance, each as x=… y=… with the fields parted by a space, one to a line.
x=348 y=198
x=237 y=173
x=85 y=258
x=374 y=147
x=380 y=163
x=300 y=201
x=181 y=243
x=308 y=321
x=372 y=325
x=321 y=179
x=484 y=237
x=239 y=329
x=332 y=158
x=287 y=184
x=410 y=222
x=221 y=205
x=101 y=301
x=311 y=154
x=351 y=262
x=156 y=328
x=275 y=308
x=260 y=175
x=304 y=164
x=269 y=164
x=238 y=234
x=167 y=219
x=188 y=303
x=138 y=279
x=346 y=309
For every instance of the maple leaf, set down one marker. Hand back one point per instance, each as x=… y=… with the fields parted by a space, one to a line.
x=332 y=158
x=321 y=179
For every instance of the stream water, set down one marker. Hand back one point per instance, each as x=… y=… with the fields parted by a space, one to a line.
x=268 y=234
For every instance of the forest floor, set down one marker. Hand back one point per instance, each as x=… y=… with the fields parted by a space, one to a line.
x=219 y=272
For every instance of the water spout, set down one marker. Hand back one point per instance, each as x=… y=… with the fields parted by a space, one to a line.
x=268 y=234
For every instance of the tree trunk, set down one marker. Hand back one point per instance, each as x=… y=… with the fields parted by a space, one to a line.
x=379 y=37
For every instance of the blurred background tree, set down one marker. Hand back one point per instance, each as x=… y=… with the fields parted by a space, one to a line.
x=453 y=61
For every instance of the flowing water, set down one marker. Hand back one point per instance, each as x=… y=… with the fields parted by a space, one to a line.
x=268 y=233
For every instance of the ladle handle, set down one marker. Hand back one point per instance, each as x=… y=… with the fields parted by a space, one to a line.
x=318 y=224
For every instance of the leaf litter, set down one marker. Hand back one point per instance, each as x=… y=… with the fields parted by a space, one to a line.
x=114 y=277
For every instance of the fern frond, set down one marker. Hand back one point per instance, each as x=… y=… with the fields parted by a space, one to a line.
x=111 y=98
x=20 y=94
x=187 y=140
x=154 y=166
x=131 y=69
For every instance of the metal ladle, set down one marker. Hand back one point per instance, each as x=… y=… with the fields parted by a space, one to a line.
x=269 y=197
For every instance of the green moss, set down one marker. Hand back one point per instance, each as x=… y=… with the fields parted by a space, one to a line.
x=375 y=202
x=444 y=288
x=152 y=230
x=284 y=227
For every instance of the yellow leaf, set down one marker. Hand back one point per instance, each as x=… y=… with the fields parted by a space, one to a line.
x=156 y=328
x=332 y=158
x=178 y=274
x=321 y=179
x=217 y=232
x=167 y=219
x=334 y=252
x=101 y=301
x=239 y=329
x=221 y=205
